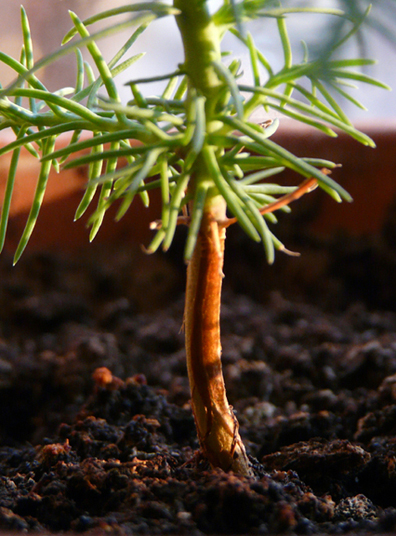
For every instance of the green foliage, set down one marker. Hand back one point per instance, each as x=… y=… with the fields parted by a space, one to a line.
x=170 y=132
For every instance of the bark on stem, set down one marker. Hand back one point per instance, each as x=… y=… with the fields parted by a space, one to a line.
x=216 y=424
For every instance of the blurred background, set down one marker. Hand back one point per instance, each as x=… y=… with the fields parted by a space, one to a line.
x=358 y=239
x=49 y=22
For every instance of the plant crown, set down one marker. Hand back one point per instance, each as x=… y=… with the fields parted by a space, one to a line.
x=171 y=130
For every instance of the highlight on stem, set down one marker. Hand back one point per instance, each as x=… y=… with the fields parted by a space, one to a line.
x=195 y=142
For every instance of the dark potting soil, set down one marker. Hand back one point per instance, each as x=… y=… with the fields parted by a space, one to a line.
x=96 y=431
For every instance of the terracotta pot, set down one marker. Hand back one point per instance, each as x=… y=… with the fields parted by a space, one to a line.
x=366 y=173
x=55 y=226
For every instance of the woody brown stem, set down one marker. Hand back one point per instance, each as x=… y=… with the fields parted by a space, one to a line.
x=216 y=423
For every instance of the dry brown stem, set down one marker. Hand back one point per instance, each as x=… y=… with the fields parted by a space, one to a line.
x=216 y=423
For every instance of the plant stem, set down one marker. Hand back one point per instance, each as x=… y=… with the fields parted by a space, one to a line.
x=216 y=423
x=201 y=44
x=217 y=426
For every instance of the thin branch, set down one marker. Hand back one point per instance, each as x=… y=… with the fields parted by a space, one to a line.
x=305 y=187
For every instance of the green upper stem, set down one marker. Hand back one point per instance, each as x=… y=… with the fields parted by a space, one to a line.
x=201 y=43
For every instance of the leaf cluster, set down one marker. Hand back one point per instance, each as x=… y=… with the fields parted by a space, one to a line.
x=162 y=139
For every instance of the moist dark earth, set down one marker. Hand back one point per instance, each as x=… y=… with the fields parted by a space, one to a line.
x=96 y=431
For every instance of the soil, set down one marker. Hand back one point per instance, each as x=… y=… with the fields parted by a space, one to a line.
x=96 y=431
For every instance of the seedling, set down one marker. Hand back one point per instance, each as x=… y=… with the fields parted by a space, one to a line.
x=196 y=143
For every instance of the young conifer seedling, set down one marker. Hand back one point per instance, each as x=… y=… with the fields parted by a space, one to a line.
x=196 y=143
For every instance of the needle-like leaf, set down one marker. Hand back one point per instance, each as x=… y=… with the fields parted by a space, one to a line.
x=37 y=201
